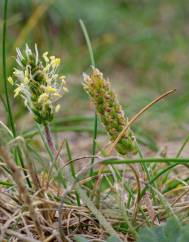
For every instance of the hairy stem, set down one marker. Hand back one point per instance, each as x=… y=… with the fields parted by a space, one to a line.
x=49 y=139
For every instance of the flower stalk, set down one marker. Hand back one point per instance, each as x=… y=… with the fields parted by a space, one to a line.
x=49 y=139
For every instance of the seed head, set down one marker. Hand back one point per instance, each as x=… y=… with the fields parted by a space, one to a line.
x=109 y=110
x=38 y=82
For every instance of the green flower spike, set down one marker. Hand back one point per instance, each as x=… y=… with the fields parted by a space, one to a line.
x=109 y=110
x=37 y=81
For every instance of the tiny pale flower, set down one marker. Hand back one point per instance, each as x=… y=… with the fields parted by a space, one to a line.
x=10 y=80
x=26 y=80
x=57 y=95
x=45 y=57
x=17 y=91
x=57 y=108
x=50 y=89
x=65 y=89
x=62 y=78
x=43 y=98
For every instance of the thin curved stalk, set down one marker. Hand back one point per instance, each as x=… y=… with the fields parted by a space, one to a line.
x=182 y=146
x=86 y=35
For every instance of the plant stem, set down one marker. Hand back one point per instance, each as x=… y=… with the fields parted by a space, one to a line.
x=72 y=169
x=10 y=117
x=86 y=35
x=18 y=156
x=182 y=146
x=94 y=141
x=49 y=139
x=146 y=195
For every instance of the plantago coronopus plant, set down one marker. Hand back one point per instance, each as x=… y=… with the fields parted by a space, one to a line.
x=37 y=81
x=109 y=110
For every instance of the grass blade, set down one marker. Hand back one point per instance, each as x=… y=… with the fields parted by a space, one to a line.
x=18 y=156
x=72 y=168
x=9 y=112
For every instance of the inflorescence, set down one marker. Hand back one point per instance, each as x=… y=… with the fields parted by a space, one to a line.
x=109 y=110
x=38 y=82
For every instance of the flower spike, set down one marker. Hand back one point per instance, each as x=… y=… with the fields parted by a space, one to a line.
x=38 y=82
x=109 y=110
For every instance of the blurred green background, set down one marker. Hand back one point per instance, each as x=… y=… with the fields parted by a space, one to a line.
x=141 y=45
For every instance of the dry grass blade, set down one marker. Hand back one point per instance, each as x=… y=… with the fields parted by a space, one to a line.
x=21 y=237
x=6 y=225
x=179 y=197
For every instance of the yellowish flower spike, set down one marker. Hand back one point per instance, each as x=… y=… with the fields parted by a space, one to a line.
x=38 y=82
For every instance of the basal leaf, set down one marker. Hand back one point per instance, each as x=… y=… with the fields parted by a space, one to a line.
x=113 y=239
x=147 y=235
x=80 y=239
x=171 y=231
